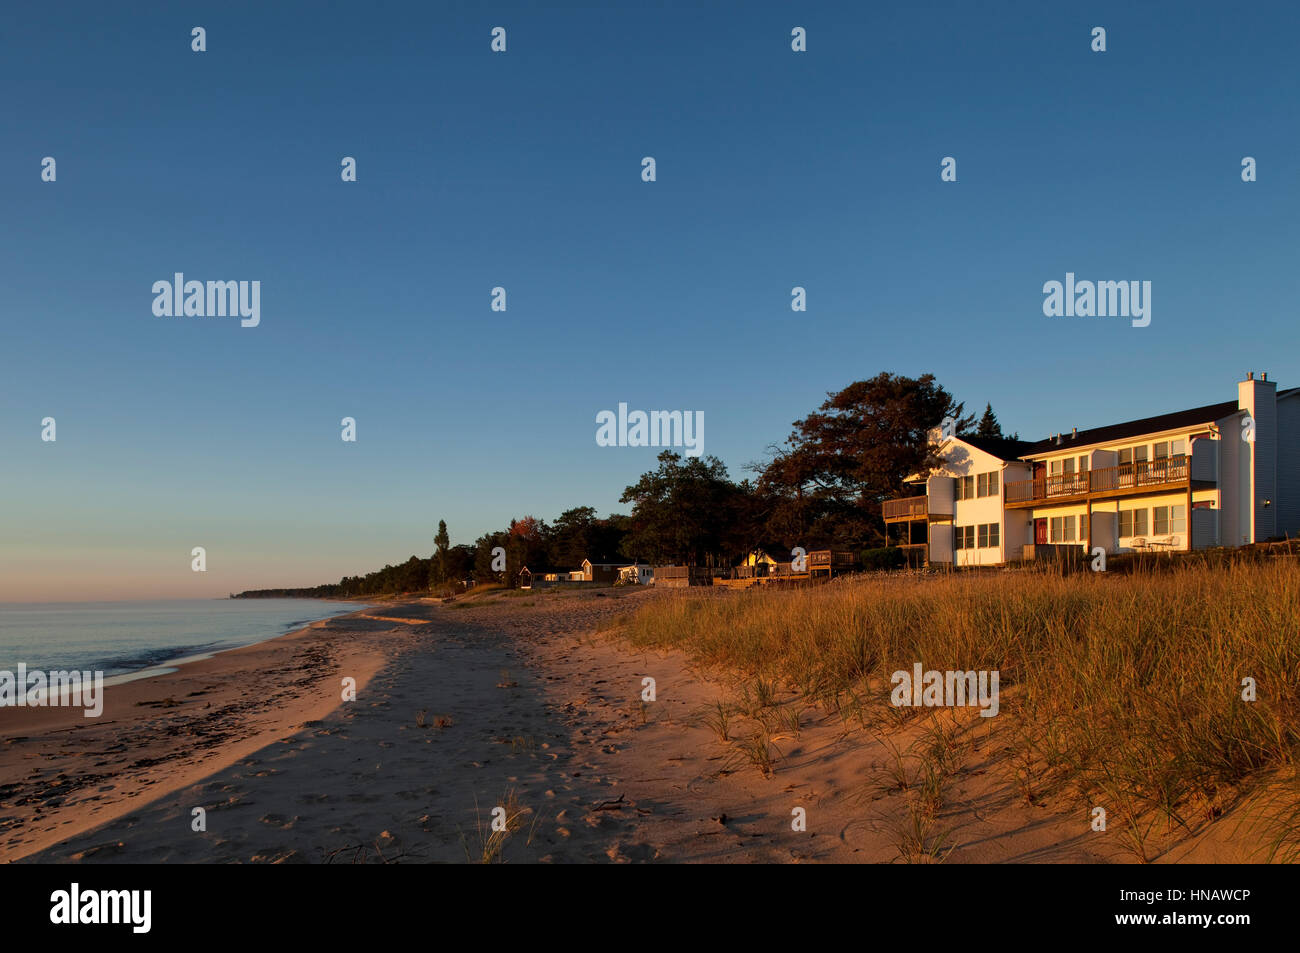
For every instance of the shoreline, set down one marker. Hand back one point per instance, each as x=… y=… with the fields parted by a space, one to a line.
x=62 y=773
x=168 y=659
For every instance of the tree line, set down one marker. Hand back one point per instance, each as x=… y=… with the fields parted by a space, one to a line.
x=823 y=488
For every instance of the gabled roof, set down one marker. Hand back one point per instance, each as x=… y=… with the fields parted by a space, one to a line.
x=1004 y=448
x=1135 y=428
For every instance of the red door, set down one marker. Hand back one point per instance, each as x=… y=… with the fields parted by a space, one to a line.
x=1040 y=532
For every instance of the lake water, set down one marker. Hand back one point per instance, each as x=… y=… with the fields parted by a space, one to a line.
x=126 y=637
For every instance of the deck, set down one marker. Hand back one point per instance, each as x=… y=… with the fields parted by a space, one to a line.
x=1127 y=479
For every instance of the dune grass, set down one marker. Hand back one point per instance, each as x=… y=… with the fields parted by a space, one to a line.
x=1125 y=689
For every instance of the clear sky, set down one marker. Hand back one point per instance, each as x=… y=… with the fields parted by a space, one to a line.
x=523 y=170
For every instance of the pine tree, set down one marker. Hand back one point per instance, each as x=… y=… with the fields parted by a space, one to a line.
x=988 y=425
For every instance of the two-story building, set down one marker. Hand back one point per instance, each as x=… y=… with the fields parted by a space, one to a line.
x=1224 y=474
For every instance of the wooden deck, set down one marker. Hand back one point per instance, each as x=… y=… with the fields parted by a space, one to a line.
x=1128 y=479
x=908 y=508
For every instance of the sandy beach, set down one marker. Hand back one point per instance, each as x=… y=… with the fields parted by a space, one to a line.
x=530 y=703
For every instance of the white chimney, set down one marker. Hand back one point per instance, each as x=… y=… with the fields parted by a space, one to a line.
x=1257 y=461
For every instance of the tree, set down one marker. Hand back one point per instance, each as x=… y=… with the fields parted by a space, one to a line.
x=988 y=425
x=441 y=544
x=483 y=560
x=681 y=512
x=571 y=536
x=844 y=459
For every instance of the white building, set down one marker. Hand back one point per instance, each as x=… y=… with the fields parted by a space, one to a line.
x=1224 y=474
x=637 y=574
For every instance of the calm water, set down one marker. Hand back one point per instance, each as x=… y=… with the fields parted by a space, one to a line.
x=120 y=637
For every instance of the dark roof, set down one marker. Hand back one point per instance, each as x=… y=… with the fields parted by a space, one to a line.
x=543 y=570
x=1004 y=448
x=1135 y=428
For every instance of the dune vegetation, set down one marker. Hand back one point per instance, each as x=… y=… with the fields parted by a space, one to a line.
x=1133 y=688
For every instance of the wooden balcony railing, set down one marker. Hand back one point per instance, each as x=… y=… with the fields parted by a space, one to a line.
x=908 y=508
x=1126 y=476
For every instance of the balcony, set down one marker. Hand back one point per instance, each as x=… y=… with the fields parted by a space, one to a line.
x=908 y=508
x=1127 y=479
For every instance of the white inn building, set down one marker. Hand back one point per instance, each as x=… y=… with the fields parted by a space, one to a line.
x=1220 y=475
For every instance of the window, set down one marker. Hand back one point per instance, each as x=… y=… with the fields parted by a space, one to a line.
x=986 y=484
x=1083 y=527
x=1133 y=522
x=1178 y=448
x=963 y=537
x=1067 y=466
x=1062 y=529
x=990 y=535
x=1169 y=519
x=1083 y=464
x=965 y=488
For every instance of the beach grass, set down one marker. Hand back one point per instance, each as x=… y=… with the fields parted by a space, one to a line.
x=1126 y=690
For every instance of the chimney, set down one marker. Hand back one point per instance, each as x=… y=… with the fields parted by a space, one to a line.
x=1258 y=467
x=1264 y=376
x=1250 y=375
x=1074 y=434
x=1058 y=439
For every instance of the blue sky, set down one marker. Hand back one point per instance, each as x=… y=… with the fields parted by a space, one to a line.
x=522 y=169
